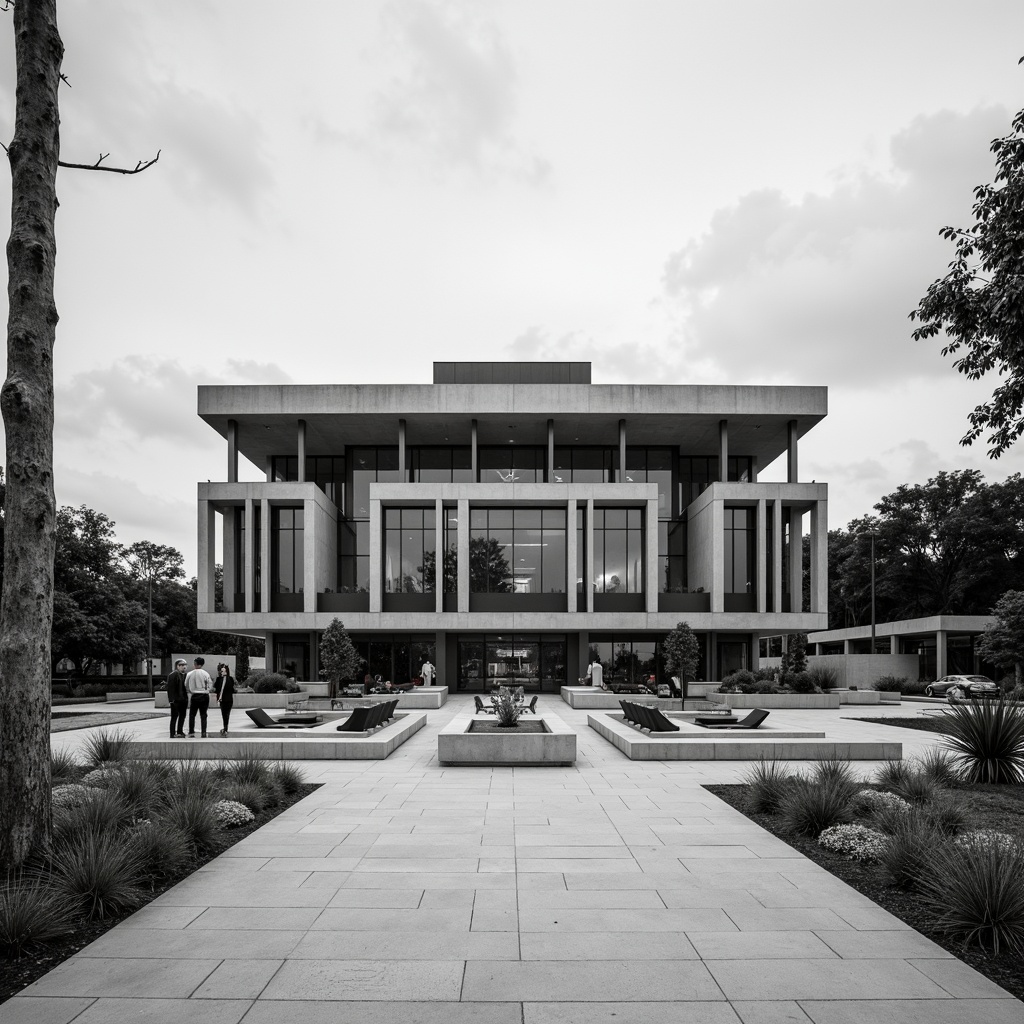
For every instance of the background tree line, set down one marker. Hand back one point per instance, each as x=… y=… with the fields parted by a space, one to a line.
x=950 y=546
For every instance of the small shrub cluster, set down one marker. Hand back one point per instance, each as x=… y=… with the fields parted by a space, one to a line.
x=269 y=682
x=856 y=841
x=893 y=684
x=121 y=827
x=822 y=678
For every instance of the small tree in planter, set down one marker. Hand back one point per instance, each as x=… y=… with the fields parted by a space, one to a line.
x=794 y=658
x=338 y=656
x=682 y=653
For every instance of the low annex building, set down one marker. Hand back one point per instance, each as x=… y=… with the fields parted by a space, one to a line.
x=511 y=522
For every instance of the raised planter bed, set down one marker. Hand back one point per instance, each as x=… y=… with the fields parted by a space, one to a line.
x=457 y=744
x=418 y=697
x=247 y=700
x=777 y=701
x=117 y=698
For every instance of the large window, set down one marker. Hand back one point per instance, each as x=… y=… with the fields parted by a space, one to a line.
x=581 y=554
x=370 y=465
x=652 y=466
x=740 y=550
x=517 y=551
x=353 y=557
x=626 y=660
x=326 y=471
x=288 y=550
x=618 y=551
x=512 y=465
x=409 y=550
x=672 y=557
x=240 y=556
x=398 y=658
x=451 y=550
x=697 y=473
x=441 y=465
x=583 y=465
x=533 y=662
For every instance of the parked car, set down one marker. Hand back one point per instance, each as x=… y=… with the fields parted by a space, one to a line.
x=972 y=686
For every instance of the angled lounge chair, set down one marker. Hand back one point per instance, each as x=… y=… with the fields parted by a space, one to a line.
x=644 y=719
x=532 y=706
x=659 y=722
x=356 y=722
x=261 y=719
x=373 y=719
x=629 y=712
x=479 y=704
x=751 y=721
x=389 y=711
x=715 y=720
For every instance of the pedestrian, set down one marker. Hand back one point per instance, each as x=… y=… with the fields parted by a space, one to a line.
x=595 y=673
x=427 y=672
x=177 y=697
x=225 y=690
x=199 y=684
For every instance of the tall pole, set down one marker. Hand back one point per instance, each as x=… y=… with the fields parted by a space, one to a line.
x=872 y=592
x=149 y=660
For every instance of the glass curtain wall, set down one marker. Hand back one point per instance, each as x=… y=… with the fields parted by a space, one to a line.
x=534 y=662
x=582 y=466
x=288 y=550
x=441 y=465
x=517 y=551
x=326 y=471
x=394 y=657
x=451 y=550
x=672 y=557
x=409 y=550
x=512 y=465
x=618 y=551
x=698 y=472
x=740 y=551
x=239 y=559
x=629 y=660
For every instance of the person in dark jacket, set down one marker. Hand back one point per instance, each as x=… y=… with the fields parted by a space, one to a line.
x=177 y=697
x=224 y=689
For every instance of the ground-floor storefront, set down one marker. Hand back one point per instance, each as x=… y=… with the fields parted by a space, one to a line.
x=540 y=662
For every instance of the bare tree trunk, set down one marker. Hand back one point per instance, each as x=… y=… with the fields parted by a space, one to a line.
x=26 y=606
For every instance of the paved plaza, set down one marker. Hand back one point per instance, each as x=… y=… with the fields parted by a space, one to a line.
x=613 y=892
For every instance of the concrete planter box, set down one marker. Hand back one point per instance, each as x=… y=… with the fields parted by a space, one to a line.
x=456 y=745
x=116 y=698
x=418 y=697
x=858 y=696
x=779 y=701
x=247 y=700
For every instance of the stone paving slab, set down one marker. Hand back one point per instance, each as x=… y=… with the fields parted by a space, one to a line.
x=613 y=892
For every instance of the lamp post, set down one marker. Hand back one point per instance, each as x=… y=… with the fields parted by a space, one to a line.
x=872 y=534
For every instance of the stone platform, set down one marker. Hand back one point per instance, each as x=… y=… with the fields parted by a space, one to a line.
x=767 y=743
x=456 y=745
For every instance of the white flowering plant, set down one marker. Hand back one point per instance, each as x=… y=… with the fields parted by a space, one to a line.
x=986 y=838
x=100 y=777
x=71 y=795
x=231 y=814
x=874 y=798
x=856 y=841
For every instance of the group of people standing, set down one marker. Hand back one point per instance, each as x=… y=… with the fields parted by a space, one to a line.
x=191 y=692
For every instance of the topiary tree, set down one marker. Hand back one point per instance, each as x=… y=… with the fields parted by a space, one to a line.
x=794 y=658
x=241 y=659
x=1002 y=643
x=682 y=653
x=338 y=656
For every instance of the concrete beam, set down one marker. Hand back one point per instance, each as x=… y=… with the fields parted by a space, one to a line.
x=723 y=451
x=232 y=451
x=791 y=452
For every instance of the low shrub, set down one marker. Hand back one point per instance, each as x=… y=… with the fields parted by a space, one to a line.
x=106 y=745
x=987 y=740
x=194 y=815
x=766 y=675
x=30 y=912
x=767 y=782
x=102 y=776
x=506 y=708
x=736 y=681
x=232 y=813
x=985 y=837
x=937 y=764
x=809 y=807
x=856 y=841
x=64 y=767
x=270 y=682
x=98 y=873
x=823 y=677
x=71 y=794
x=289 y=778
x=977 y=892
x=870 y=800
x=894 y=684
x=908 y=855
x=804 y=682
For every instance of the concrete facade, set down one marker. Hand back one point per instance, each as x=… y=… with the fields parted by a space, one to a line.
x=479 y=412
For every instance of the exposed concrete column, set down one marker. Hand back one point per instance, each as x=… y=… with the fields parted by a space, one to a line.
x=376 y=555
x=549 y=477
x=232 y=451
x=796 y=560
x=314 y=655
x=718 y=556
x=723 y=450
x=309 y=553
x=205 y=594
x=269 y=468
x=777 y=538
x=622 y=452
x=403 y=472
x=584 y=655
x=229 y=522
x=570 y=555
x=250 y=554
x=894 y=644
x=588 y=576
x=474 y=461
x=819 y=557
x=753 y=469
x=651 y=587
x=791 y=453
x=439 y=556
x=463 y=595
x=265 y=574
x=441 y=659
x=301 y=446
x=940 y=653
x=761 y=538
x=847 y=644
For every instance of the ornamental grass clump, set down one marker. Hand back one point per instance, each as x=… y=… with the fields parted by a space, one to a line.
x=99 y=811
x=64 y=767
x=252 y=767
x=835 y=770
x=164 y=850
x=107 y=746
x=976 y=889
x=98 y=874
x=913 y=843
x=987 y=740
x=31 y=912
x=809 y=807
x=195 y=778
x=916 y=788
x=938 y=765
x=947 y=813
x=506 y=708
x=249 y=794
x=767 y=782
x=891 y=773
x=856 y=841
x=193 y=813
x=231 y=813
x=288 y=778
x=139 y=787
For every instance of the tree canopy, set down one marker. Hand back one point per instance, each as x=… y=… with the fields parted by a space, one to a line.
x=979 y=305
x=682 y=653
x=1003 y=642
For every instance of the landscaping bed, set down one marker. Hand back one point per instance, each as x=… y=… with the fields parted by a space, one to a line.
x=126 y=831
x=932 y=723
x=987 y=807
x=69 y=720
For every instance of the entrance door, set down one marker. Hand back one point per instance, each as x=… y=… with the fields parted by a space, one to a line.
x=733 y=655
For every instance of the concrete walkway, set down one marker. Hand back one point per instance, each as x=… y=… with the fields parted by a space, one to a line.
x=615 y=892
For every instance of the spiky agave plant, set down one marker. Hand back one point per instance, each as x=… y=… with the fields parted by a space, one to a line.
x=987 y=740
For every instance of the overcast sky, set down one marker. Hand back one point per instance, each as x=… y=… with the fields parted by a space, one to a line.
x=679 y=192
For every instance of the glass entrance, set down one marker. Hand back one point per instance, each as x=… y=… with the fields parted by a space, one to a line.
x=733 y=655
x=535 y=662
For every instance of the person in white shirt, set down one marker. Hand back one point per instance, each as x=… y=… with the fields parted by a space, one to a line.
x=427 y=672
x=199 y=684
x=595 y=673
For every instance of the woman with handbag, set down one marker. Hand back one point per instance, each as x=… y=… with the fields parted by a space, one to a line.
x=225 y=693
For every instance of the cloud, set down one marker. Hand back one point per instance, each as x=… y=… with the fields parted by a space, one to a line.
x=147 y=399
x=452 y=99
x=820 y=287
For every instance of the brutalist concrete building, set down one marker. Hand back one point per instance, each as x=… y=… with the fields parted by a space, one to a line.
x=512 y=521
